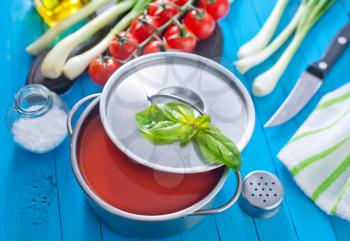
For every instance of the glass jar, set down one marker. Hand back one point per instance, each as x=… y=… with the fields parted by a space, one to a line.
x=37 y=119
x=53 y=11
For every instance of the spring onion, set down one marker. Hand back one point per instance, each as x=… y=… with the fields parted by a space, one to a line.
x=43 y=42
x=266 y=82
x=245 y=64
x=77 y=64
x=265 y=34
x=52 y=65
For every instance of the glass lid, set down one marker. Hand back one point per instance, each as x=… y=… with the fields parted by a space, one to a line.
x=167 y=77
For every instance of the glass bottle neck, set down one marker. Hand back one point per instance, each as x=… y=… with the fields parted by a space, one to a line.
x=33 y=100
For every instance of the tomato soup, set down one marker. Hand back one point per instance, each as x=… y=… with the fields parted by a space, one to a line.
x=132 y=187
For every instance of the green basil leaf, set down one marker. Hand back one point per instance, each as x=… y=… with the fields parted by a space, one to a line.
x=202 y=122
x=167 y=122
x=175 y=121
x=168 y=132
x=216 y=147
x=177 y=111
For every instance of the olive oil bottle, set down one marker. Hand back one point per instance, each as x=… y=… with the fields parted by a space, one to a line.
x=53 y=11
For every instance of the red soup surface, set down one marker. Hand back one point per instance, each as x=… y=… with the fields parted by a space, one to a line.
x=132 y=187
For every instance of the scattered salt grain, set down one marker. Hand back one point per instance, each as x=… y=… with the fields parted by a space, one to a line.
x=41 y=134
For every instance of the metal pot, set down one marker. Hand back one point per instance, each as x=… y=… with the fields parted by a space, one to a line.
x=136 y=225
x=197 y=81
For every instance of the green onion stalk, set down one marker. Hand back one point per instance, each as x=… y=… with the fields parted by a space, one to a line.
x=77 y=64
x=265 y=83
x=265 y=34
x=245 y=64
x=44 y=41
x=53 y=63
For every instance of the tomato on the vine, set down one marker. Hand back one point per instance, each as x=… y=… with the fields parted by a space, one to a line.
x=216 y=8
x=143 y=27
x=179 y=3
x=101 y=68
x=179 y=38
x=200 y=23
x=123 y=46
x=154 y=46
x=162 y=9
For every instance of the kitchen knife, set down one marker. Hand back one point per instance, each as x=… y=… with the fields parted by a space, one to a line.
x=311 y=80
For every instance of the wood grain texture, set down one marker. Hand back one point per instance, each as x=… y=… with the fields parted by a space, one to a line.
x=41 y=200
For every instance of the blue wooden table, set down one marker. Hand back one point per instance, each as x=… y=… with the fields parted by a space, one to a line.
x=41 y=201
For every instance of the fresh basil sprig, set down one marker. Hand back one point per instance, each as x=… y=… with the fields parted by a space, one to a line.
x=174 y=121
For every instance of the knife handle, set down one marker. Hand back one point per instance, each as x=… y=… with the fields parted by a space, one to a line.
x=336 y=48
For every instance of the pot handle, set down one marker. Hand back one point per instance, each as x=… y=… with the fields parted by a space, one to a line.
x=75 y=108
x=226 y=206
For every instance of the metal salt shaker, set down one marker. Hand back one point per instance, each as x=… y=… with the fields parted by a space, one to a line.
x=262 y=194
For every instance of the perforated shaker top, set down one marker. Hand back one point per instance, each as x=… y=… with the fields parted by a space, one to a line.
x=262 y=194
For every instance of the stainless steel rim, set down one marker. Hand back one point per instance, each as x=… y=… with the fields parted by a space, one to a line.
x=116 y=76
x=75 y=108
x=192 y=210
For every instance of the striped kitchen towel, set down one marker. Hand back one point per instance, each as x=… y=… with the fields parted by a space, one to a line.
x=318 y=156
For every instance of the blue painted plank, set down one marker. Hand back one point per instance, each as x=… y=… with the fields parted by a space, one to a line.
x=346 y=5
x=29 y=199
x=172 y=238
x=67 y=195
x=286 y=231
x=342 y=228
x=89 y=87
x=327 y=233
x=17 y=19
x=109 y=234
x=63 y=207
x=270 y=102
x=29 y=194
x=319 y=43
x=205 y=231
x=233 y=224
x=76 y=215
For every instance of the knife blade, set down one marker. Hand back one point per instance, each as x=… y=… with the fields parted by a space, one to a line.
x=311 y=80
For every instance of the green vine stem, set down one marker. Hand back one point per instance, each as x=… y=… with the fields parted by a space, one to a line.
x=158 y=30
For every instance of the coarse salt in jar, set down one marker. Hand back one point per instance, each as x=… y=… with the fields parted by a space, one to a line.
x=37 y=119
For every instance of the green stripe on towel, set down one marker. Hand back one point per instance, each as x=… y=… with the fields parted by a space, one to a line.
x=318 y=130
x=318 y=155
x=334 y=101
x=340 y=197
x=331 y=179
x=302 y=165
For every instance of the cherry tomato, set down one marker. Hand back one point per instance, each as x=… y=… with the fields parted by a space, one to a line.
x=154 y=46
x=200 y=23
x=179 y=3
x=143 y=27
x=179 y=38
x=122 y=46
x=101 y=68
x=163 y=10
x=216 y=8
